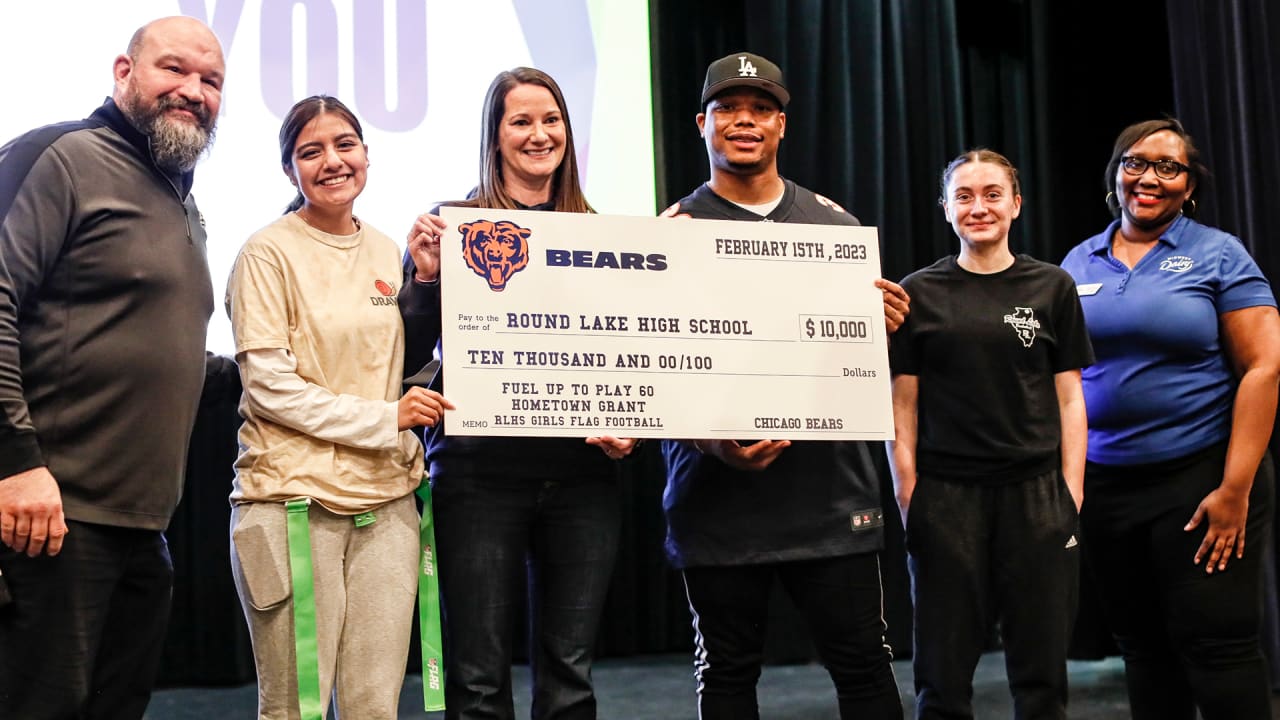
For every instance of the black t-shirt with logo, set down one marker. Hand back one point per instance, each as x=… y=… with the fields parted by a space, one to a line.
x=986 y=349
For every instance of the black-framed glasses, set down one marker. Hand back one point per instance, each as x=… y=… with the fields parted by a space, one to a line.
x=1167 y=169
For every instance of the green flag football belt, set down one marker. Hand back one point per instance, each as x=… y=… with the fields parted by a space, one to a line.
x=304 y=610
x=429 y=607
x=310 y=704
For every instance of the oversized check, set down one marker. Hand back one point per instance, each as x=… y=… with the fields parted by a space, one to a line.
x=574 y=325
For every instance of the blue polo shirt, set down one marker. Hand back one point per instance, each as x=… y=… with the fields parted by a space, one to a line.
x=1161 y=386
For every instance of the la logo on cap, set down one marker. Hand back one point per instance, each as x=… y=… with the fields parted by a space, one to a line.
x=745 y=68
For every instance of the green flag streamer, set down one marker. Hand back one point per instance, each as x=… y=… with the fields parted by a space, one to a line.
x=429 y=609
x=304 y=609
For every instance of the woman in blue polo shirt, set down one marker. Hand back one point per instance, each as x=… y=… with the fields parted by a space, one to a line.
x=1181 y=402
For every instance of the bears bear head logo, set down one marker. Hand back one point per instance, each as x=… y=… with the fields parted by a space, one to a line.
x=495 y=250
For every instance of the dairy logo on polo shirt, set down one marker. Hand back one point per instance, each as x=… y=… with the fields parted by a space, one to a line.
x=1177 y=264
x=1024 y=324
x=495 y=250
x=387 y=293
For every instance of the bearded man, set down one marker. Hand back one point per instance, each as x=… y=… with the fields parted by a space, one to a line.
x=105 y=298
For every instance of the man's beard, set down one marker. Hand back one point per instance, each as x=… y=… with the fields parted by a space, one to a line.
x=176 y=145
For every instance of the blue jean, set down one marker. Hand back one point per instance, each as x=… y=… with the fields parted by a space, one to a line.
x=84 y=635
x=494 y=535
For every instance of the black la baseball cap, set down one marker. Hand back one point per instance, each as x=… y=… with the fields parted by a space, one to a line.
x=745 y=69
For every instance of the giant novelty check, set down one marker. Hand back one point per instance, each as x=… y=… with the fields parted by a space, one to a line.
x=575 y=325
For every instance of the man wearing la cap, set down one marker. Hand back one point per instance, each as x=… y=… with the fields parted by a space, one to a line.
x=805 y=513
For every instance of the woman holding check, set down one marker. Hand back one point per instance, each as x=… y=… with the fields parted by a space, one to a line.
x=513 y=510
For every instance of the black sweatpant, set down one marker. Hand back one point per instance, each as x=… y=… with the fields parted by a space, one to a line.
x=841 y=600
x=1189 y=639
x=979 y=553
x=83 y=636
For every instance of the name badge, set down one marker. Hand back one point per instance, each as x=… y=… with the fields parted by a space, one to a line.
x=1088 y=289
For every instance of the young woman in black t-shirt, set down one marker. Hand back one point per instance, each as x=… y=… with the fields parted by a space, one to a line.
x=988 y=461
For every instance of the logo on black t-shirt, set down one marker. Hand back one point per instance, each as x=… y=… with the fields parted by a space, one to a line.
x=1024 y=324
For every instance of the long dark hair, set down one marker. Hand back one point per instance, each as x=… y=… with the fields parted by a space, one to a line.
x=566 y=189
x=1197 y=171
x=302 y=113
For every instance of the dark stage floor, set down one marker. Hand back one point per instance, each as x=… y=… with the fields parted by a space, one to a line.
x=661 y=688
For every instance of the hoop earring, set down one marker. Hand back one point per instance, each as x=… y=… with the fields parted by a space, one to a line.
x=1192 y=213
x=1112 y=204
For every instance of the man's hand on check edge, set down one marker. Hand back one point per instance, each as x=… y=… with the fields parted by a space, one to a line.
x=897 y=304
x=756 y=456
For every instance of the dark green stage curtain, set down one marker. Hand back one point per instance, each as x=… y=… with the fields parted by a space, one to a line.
x=1046 y=85
x=1226 y=74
